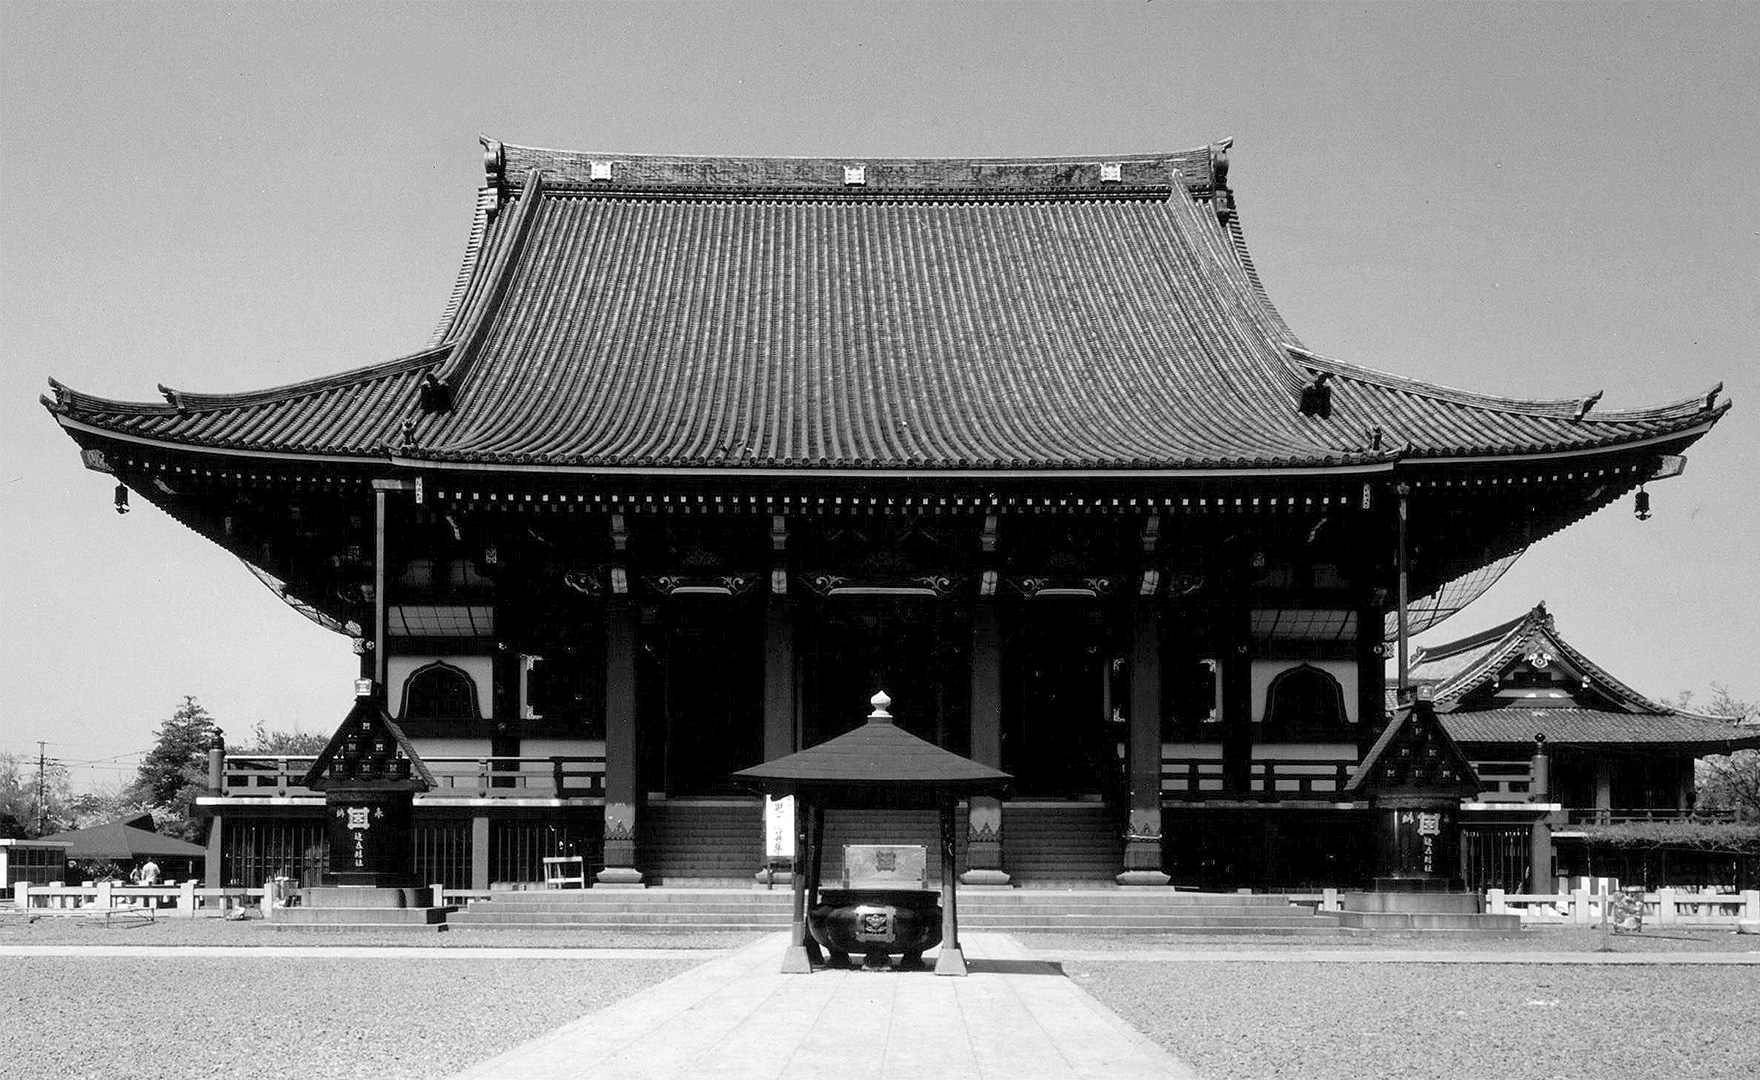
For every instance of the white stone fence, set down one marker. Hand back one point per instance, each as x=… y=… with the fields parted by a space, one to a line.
x=1664 y=907
x=184 y=901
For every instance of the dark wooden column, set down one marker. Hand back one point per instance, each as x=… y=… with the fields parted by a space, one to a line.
x=779 y=677
x=1142 y=852
x=622 y=757
x=984 y=812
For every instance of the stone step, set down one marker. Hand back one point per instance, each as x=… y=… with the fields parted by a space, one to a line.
x=1049 y=911
x=1281 y=930
x=977 y=898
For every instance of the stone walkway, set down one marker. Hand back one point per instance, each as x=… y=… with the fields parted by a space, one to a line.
x=738 y=1018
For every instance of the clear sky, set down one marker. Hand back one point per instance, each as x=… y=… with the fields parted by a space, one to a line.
x=1526 y=200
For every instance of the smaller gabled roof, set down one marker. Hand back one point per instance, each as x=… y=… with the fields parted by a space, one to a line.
x=1606 y=713
x=117 y=840
x=1457 y=668
x=878 y=763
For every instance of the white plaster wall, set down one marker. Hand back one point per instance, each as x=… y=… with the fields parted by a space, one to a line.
x=1345 y=671
x=481 y=669
x=441 y=748
x=561 y=747
x=1321 y=751
x=1204 y=751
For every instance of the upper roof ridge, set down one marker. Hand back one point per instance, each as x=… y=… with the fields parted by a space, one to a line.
x=1201 y=170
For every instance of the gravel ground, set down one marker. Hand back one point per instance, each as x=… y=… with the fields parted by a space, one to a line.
x=181 y=1017
x=72 y=931
x=432 y=1015
x=1551 y=939
x=1252 y=1021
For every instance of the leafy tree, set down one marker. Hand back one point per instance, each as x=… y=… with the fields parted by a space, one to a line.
x=284 y=742
x=1728 y=781
x=20 y=815
x=174 y=771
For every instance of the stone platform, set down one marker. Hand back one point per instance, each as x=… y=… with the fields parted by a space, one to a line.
x=1454 y=912
x=360 y=907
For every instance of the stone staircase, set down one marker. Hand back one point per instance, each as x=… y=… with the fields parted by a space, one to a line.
x=719 y=842
x=1060 y=843
x=1045 y=910
x=702 y=841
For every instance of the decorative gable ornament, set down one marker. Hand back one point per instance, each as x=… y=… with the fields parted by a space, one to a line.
x=1414 y=763
x=369 y=752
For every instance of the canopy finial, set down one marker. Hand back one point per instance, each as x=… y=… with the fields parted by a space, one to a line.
x=880 y=701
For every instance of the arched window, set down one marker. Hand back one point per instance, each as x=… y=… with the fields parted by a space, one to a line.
x=440 y=692
x=1305 y=698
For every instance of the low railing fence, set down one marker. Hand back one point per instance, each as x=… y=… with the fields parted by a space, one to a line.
x=1664 y=907
x=185 y=900
x=568 y=776
x=1577 y=815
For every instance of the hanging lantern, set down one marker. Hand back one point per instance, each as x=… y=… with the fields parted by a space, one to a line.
x=1641 y=504
x=122 y=498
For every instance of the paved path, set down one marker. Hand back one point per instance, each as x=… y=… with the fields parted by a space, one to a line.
x=1399 y=956
x=738 y=1018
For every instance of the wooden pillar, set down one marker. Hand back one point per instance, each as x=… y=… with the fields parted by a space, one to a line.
x=1404 y=491
x=779 y=676
x=951 y=960
x=622 y=757
x=1540 y=832
x=795 y=961
x=211 y=865
x=1603 y=789
x=479 y=854
x=984 y=812
x=1142 y=851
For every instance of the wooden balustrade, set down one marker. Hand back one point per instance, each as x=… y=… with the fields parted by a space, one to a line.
x=1203 y=778
x=567 y=776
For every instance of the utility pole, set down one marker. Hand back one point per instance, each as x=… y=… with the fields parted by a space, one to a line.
x=42 y=807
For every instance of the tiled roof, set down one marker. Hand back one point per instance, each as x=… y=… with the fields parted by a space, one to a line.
x=1456 y=669
x=1459 y=667
x=878 y=758
x=1567 y=727
x=971 y=315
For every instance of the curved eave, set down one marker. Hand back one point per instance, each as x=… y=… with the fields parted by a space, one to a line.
x=1442 y=424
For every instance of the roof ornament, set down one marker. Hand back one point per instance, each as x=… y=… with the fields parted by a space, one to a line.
x=880 y=716
x=1375 y=435
x=436 y=396
x=494 y=161
x=407 y=437
x=1586 y=404
x=173 y=396
x=1317 y=397
x=1711 y=397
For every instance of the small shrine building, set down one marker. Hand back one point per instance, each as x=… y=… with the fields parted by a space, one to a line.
x=704 y=451
x=1543 y=723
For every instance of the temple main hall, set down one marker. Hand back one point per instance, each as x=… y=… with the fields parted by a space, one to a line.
x=705 y=451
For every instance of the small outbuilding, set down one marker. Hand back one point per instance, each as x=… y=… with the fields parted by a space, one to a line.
x=877 y=766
